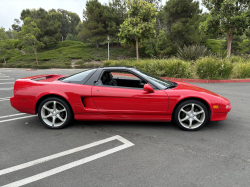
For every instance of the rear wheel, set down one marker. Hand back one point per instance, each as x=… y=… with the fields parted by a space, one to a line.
x=191 y=115
x=54 y=113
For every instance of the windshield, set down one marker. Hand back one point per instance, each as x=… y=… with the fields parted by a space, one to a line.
x=159 y=82
x=78 y=76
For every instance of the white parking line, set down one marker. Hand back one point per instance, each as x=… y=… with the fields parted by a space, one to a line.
x=10 y=88
x=126 y=144
x=17 y=118
x=5 y=98
x=12 y=115
x=7 y=83
x=6 y=79
x=4 y=76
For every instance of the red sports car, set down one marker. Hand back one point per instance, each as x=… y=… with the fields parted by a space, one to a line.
x=117 y=93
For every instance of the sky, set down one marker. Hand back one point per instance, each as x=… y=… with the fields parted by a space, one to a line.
x=11 y=9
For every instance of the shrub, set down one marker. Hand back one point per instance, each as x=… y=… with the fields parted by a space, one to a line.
x=44 y=67
x=165 y=67
x=215 y=45
x=72 y=37
x=242 y=70
x=18 y=66
x=27 y=65
x=192 y=52
x=89 y=65
x=212 y=68
x=236 y=59
x=8 y=65
x=19 y=46
x=67 y=63
x=173 y=67
x=16 y=42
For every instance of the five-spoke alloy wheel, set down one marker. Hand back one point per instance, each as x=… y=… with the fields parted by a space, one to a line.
x=191 y=115
x=54 y=113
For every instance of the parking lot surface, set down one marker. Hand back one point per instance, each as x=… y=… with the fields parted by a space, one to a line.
x=145 y=154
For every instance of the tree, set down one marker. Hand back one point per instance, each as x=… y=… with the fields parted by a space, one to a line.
x=139 y=25
x=236 y=45
x=48 y=24
x=2 y=34
x=16 y=26
x=69 y=21
x=230 y=17
x=163 y=44
x=94 y=23
x=4 y=47
x=72 y=37
x=181 y=20
x=2 y=44
x=177 y=24
x=5 y=43
x=11 y=34
x=28 y=36
x=115 y=16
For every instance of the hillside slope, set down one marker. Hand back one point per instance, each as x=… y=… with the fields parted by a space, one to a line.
x=63 y=53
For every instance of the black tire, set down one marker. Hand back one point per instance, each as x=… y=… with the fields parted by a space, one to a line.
x=184 y=114
x=61 y=115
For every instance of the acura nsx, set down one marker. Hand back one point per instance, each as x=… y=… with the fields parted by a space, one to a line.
x=117 y=93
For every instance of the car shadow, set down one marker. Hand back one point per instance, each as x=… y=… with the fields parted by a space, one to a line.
x=221 y=125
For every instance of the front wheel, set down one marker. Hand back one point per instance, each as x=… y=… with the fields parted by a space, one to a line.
x=191 y=115
x=54 y=113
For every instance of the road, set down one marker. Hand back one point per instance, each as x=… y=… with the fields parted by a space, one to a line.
x=160 y=154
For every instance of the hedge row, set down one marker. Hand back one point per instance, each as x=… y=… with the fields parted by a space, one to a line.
x=203 y=68
x=32 y=66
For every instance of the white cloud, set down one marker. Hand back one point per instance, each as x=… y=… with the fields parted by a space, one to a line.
x=11 y=9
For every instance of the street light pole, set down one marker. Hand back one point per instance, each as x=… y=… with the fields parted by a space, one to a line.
x=108 y=47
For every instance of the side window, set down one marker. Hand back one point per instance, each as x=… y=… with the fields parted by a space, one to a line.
x=124 y=75
x=121 y=79
x=78 y=77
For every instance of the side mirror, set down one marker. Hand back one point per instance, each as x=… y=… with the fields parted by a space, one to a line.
x=148 y=88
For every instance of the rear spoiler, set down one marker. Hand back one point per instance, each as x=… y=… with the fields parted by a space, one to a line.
x=47 y=76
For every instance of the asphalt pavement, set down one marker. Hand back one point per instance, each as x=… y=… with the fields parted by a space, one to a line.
x=144 y=154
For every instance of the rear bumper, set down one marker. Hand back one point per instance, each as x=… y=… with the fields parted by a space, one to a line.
x=14 y=104
x=218 y=116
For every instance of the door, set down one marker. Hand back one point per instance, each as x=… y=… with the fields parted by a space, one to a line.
x=130 y=102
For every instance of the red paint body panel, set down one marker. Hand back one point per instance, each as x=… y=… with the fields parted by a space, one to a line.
x=130 y=103
x=113 y=103
x=218 y=116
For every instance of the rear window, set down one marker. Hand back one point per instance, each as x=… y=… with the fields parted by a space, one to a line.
x=78 y=77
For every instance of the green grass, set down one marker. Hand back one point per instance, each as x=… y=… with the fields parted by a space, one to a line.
x=67 y=50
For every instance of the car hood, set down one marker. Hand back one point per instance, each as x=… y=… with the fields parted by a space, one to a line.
x=187 y=86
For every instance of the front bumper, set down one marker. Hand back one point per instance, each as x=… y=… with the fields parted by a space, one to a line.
x=218 y=116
